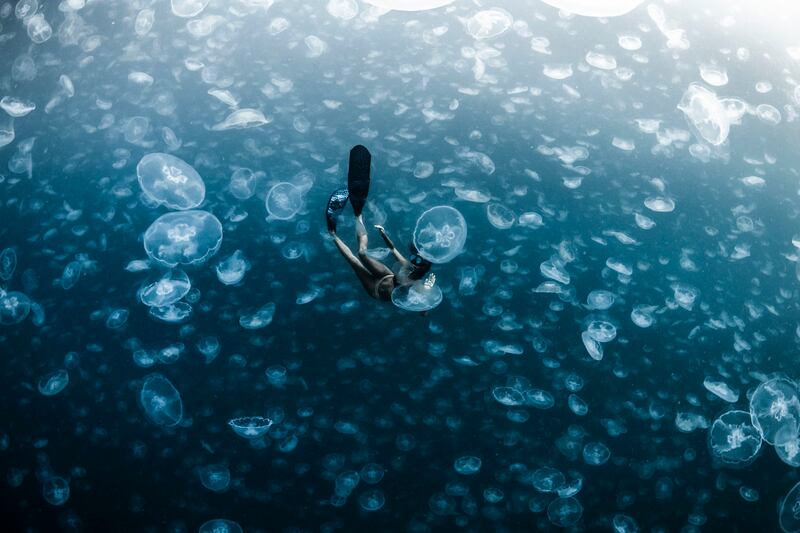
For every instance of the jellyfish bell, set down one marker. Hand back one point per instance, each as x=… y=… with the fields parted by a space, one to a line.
x=775 y=410
x=161 y=401
x=170 y=181
x=186 y=238
x=167 y=290
x=733 y=439
x=440 y=234
x=14 y=307
x=250 y=427
x=417 y=296
x=284 y=200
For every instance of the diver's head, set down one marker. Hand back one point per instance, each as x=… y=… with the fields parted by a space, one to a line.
x=419 y=265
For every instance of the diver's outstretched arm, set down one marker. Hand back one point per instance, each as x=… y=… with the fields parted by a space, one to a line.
x=390 y=245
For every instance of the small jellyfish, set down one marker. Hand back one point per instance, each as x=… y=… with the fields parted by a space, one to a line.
x=733 y=439
x=188 y=9
x=161 y=401
x=220 y=525
x=596 y=453
x=231 y=270
x=440 y=234
x=705 y=114
x=564 y=512
x=170 y=288
x=14 y=307
x=577 y=405
x=209 y=347
x=8 y=263
x=284 y=200
x=172 y=314
x=500 y=216
x=489 y=23
x=540 y=399
x=53 y=383
x=418 y=296
x=242 y=119
x=467 y=465
x=186 y=237
x=371 y=500
x=600 y=300
x=508 y=396
x=170 y=181
x=250 y=427
x=601 y=331
x=55 y=490
x=117 y=318
x=243 y=183
x=71 y=274
x=216 y=477
x=547 y=479
x=371 y=473
x=260 y=319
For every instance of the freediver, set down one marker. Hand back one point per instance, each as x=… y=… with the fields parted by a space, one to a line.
x=378 y=280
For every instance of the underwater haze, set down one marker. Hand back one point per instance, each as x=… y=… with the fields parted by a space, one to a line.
x=608 y=190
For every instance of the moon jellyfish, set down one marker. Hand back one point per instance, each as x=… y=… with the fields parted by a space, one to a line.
x=372 y=500
x=733 y=439
x=241 y=119
x=188 y=8
x=489 y=23
x=250 y=427
x=117 y=318
x=220 y=525
x=8 y=263
x=564 y=512
x=595 y=8
x=71 y=274
x=547 y=479
x=789 y=512
x=500 y=216
x=600 y=300
x=706 y=114
x=174 y=314
x=596 y=453
x=417 y=296
x=55 y=490
x=53 y=383
x=216 y=478
x=187 y=237
x=642 y=315
x=594 y=348
x=161 y=401
x=260 y=319
x=166 y=291
x=467 y=465
x=232 y=269
x=659 y=204
x=243 y=183
x=136 y=128
x=284 y=200
x=14 y=307
x=170 y=181
x=440 y=234
x=371 y=473
x=775 y=410
x=16 y=107
x=508 y=396
x=601 y=331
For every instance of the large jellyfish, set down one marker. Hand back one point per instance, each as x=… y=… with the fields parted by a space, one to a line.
x=789 y=513
x=417 y=296
x=733 y=439
x=14 y=307
x=440 y=234
x=170 y=181
x=161 y=401
x=775 y=410
x=187 y=238
x=284 y=200
x=595 y=8
x=706 y=114
x=166 y=291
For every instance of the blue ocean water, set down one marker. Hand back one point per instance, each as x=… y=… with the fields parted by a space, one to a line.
x=182 y=343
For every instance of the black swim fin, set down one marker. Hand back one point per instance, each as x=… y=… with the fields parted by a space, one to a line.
x=358 y=177
x=336 y=204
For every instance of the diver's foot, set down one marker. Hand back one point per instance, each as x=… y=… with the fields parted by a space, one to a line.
x=358 y=171
x=336 y=204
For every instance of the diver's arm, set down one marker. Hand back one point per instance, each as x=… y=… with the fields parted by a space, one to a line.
x=390 y=245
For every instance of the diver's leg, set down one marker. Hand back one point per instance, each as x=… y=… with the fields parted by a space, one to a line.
x=367 y=279
x=374 y=266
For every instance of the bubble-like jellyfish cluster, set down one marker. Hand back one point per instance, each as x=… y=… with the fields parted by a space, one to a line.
x=170 y=181
x=440 y=234
x=183 y=238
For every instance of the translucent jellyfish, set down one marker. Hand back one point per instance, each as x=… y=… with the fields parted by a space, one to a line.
x=417 y=296
x=489 y=23
x=508 y=396
x=775 y=410
x=547 y=479
x=623 y=523
x=467 y=465
x=371 y=473
x=342 y=9
x=601 y=61
x=216 y=478
x=8 y=263
x=600 y=300
x=659 y=204
x=144 y=22
x=577 y=405
x=564 y=512
x=170 y=181
x=601 y=331
x=714 y=75
x=284 y=200
x=53 y=383
x=250 y=427
x=440 y=234
x=595 y=8
x=371 y=500
x=39 y=30
x=241 y=119
x=188 y=8
x=789 y=451
x=540 y=399
x=721 y=390
x=173 y=314
x=187 y=237
x=55 y=490
x=260 y=319
x=706 y=114
x=166 y=291
x=161 y=401
x=135 y=129
x=232 y=269
x=423 y=169
x=243 y=183
x=789 y=512
x=596 y=453
x=71 y=274
x=14 y=307
x=642 y=315
x=409 y=5
x=557 y=71
x=7 y=134
x=16 y=107
x=594 y=348
x=685 y=295
x=220 y=525
x=500 y=216
x=733 y=439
